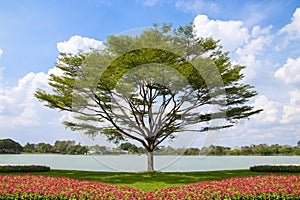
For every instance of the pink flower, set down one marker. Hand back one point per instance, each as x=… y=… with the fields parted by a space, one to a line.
x=276 y=185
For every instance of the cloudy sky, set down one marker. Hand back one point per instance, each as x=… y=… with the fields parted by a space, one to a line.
x=263 y=35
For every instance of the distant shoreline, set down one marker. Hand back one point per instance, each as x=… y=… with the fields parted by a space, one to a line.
x=125 y=154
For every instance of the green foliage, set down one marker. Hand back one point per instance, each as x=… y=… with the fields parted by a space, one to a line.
x=23 y=168
x=148 y=87
x=43 y=148
x=77 y=149
x=191 y=151
x=127 y=146
x=131 y=148
x=29 y=148
x=253 y=149
x=69 y=147
x=218 y=150
x=63 y=147
x=10 y=146
x=275 y=168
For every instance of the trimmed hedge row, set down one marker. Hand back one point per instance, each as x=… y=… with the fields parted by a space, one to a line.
x=275 y=168
x=24 y=168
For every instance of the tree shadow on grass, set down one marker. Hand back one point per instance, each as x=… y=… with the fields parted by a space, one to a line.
x=165 y=177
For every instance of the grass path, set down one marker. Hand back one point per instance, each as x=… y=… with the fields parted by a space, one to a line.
x=151 y=181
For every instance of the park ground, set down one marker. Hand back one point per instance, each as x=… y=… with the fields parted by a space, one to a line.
x=151 y=181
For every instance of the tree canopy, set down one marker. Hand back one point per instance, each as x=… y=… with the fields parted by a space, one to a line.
x=150 y=86
x=10 y=146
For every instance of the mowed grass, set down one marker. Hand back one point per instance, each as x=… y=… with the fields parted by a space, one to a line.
x=150 y=181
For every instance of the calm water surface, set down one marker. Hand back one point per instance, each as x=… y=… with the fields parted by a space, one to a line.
x=132 y=163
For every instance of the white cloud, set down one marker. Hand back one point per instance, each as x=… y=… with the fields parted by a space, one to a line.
x=291 y=112
x=277 y=123
x=78 y=43
x=255 y=48
x=251 y=63
x=260 y=38
x=245 y=46
x=26 y=119
x=293 y=29
x=1 y=52
x=231 y=33
x=22 y=111
x=270 y=113
x=258 y=31
x=195 y=6
x=247 y=55
x=150 y=2
x=1 y=73
x=18 y=104
x=289 y=72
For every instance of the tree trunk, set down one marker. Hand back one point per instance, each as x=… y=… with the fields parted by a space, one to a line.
x=150 y=162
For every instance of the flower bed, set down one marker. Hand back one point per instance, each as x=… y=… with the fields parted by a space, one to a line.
x=23 y=168
x=46 y=187
x=43 y=187
x=255 y=187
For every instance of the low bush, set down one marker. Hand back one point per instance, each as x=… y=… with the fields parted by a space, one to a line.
x=275 y=168
x=24 y=168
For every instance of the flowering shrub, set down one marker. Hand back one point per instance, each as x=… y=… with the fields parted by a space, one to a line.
x=255 y=187
x=46 y=187
x=43 y=187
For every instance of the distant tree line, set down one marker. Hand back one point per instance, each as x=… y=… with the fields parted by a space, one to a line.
x=259 y=150
x=70 y=147
x=10 y=146
x=61 y=147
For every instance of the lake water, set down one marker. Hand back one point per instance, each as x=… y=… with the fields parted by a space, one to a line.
x=133 y=163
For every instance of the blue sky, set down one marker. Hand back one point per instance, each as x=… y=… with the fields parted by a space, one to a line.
x=263 y=35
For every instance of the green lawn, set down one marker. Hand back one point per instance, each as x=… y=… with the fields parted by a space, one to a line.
x=150 y=181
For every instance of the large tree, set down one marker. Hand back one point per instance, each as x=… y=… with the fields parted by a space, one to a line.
x=10 y=146
x=149 y=87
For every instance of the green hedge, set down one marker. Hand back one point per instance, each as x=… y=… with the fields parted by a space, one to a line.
x=275 y=168
x=24 y=168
